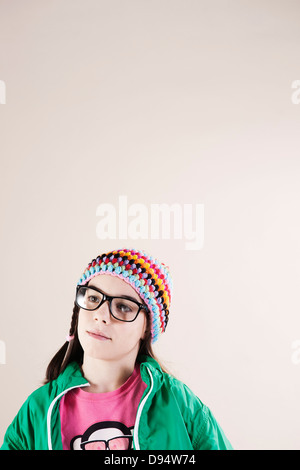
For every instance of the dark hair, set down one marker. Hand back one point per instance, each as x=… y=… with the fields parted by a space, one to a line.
x=72 y=351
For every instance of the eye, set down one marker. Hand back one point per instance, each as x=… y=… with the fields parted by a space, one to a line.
x=124 y=308
x=93 y=299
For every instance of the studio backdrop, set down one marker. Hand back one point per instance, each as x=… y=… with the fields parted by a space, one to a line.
x=170 y=126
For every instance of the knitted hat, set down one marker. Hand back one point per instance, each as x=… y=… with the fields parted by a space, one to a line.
x=148 y=277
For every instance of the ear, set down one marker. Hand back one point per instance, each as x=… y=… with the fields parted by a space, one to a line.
x=75 y=443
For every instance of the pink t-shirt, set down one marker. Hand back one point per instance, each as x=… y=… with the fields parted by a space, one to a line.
x=98 y=421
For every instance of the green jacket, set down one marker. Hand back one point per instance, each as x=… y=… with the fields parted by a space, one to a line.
x=169 y=415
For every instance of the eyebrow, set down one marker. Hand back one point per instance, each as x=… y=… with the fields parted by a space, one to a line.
x=121 y=296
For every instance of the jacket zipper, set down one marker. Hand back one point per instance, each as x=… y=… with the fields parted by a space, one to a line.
x=139 y=412
x=49 y=414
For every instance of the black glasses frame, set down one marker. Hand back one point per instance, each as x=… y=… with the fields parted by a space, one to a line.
x=109 y=298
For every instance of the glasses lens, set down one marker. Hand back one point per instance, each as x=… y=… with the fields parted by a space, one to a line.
x=124 y=309
x=119 y=443
x=88 y=298
x=95 y=445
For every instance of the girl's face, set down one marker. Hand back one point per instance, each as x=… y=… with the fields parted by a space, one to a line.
x=122 y=338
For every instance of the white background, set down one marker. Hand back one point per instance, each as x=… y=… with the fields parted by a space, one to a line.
x=163 y=101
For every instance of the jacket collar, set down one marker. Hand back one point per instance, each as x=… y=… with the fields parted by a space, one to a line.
x=72 y=375
x=148 y=363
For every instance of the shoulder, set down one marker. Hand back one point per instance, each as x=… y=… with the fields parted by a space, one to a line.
x=45 y=394
x=203 y=428
x=174 y=395
x=183 y=393
x=32 y=415
x=193 y=410
x=20 y=433
x=37 y=403
x=40 y=398
x=36 y=400
x=168 y=384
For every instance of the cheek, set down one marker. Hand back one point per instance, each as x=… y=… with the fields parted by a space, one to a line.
x=136 y=330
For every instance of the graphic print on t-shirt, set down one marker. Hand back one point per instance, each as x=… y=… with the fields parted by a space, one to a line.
x=105 y=435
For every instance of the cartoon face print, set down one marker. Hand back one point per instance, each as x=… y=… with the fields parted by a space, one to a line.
x=106 y=435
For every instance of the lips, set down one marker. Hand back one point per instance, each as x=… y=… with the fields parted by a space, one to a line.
x=98 y=335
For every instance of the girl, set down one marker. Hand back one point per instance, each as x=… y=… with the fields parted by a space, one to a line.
x=104 y=388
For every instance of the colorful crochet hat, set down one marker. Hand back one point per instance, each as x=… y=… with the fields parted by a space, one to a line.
x=149 y=277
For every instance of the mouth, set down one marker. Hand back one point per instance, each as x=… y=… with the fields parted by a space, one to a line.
x=98 y=335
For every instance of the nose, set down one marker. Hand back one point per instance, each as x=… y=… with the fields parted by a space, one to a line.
x=102 y=313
